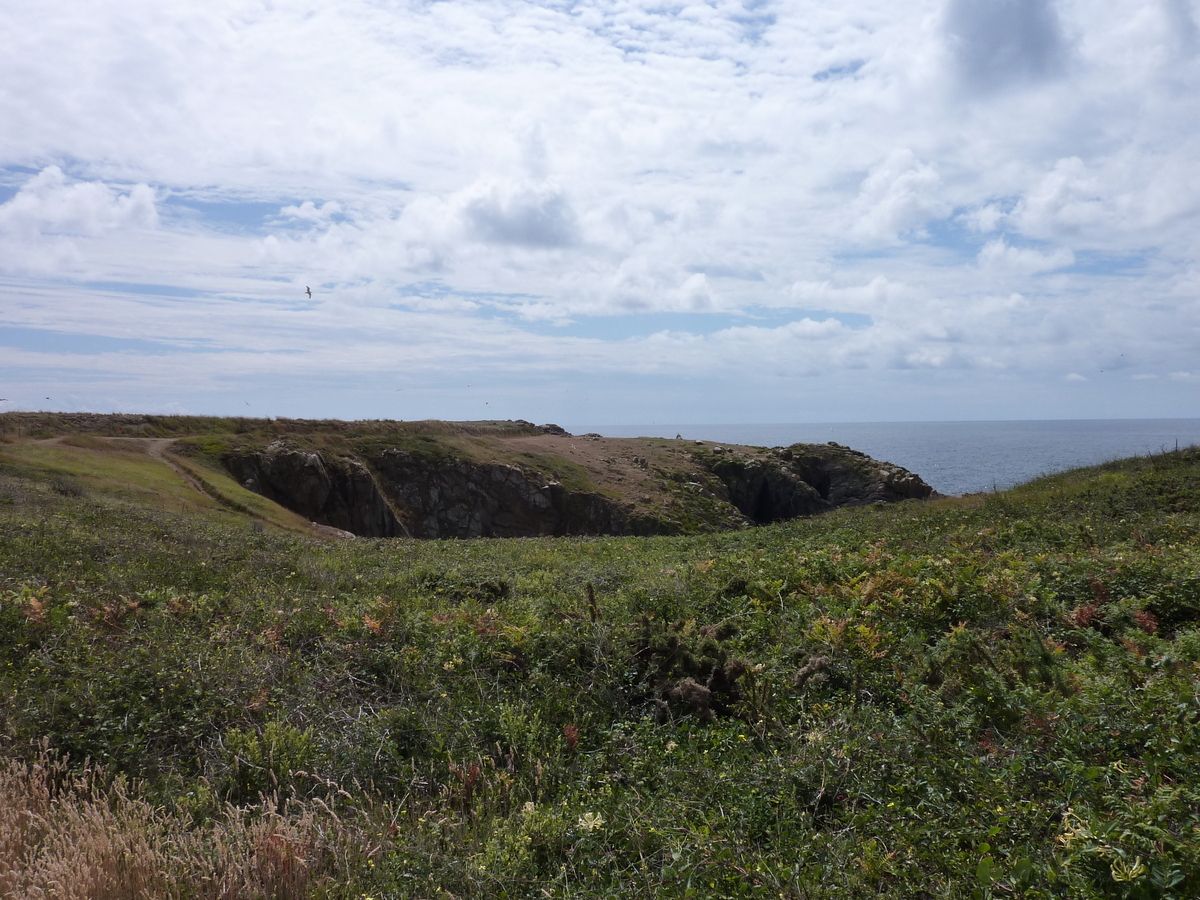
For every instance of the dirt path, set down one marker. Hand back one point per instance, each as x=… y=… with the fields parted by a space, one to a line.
x=156 y=448
x=159 y=449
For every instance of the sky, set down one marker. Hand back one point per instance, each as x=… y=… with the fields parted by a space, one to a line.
x=602 y=212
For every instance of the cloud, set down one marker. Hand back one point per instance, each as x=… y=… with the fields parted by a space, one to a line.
x=1067 y=200
x=495 y=183
x=527 y=215
x=875 y=297
x=898 y=196
x=997 y=255
x=54 y=224
x=310 y=212
x=1181 y=26
x=984 y=219
x=1000 y=43
x=52 y=204
x=695 y=293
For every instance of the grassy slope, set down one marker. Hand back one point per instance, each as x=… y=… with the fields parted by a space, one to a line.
x=1007 y=706
x=123 y=473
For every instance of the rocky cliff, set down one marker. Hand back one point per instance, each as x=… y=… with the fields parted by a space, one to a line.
x=339 y=492
x=456 y=498
x=669 y=487
x=805 y=479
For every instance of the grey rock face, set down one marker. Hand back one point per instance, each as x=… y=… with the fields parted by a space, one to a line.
x=456 y=498
x=765 y=491
x=397 y=492
x=805 y=479
x=341 y=493
x=845 y=477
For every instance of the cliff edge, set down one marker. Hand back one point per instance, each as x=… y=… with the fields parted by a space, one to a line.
x=547 y=482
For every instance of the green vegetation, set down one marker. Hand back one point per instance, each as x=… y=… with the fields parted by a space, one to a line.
x=45 y=425
x=993 y=696
x=474 y=442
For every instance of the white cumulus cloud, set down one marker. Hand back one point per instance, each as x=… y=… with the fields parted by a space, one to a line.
x=50 y=203
x=899 y=196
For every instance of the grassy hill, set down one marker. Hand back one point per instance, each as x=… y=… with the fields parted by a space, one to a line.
x=993 y=696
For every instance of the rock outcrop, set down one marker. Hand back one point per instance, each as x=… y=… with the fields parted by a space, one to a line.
x=394 y=492
x=457 y=498
x=766 y=491
x=399 y=493
x=845 y=477
x=342 y=493
x=806 y=479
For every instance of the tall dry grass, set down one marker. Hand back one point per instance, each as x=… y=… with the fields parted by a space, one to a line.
x=73 y=836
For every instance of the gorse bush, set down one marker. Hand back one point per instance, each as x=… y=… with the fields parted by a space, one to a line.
x=986 y=697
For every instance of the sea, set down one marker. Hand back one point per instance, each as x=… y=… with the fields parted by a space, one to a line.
x=960 y=457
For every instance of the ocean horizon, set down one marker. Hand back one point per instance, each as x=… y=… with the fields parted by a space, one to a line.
x=958 y=457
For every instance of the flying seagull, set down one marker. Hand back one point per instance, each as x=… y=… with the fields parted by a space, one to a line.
x=308 y=290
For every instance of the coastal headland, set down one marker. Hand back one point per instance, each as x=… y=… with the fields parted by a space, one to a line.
x=435 y=479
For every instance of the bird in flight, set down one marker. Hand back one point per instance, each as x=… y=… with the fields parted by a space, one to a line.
x=308 y=290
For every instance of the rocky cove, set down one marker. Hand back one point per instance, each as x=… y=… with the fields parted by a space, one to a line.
x=518 y=480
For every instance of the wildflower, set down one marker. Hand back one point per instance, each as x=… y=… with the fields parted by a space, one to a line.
x=590 y=821
x=1123 y=871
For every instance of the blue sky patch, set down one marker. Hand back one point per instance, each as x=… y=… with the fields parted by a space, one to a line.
x=1092 y=262
x=38 y=340
x=951 y=234
x=237 y=217
x=842 y=70
x=153 y=290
